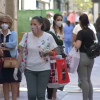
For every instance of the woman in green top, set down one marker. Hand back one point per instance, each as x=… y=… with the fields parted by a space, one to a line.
x=51 y=93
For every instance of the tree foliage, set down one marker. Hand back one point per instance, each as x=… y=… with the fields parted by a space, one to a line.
x=83 y=5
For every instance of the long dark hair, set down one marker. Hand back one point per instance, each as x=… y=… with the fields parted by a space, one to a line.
x=60 y=28
x=84 y=20
x=40 y=20
x=46 y=23
x=68 y=22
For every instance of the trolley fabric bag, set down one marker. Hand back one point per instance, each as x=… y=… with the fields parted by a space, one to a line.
x=59 y=74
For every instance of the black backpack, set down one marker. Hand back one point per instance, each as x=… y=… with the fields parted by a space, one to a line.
x=94 y=50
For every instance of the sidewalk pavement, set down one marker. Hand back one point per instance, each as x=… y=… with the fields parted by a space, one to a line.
x=71 y=90
x=61 y=96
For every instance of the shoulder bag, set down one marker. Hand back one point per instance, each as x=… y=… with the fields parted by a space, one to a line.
x=94 y=50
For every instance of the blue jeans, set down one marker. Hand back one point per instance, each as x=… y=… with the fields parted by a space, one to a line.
x=68 y=46
x=98 y=36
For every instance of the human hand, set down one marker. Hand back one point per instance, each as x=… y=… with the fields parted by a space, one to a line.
x=1 y=52
x=15 y=74
x=4 y=48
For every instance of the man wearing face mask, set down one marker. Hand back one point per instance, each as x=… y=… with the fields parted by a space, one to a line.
x=8 y=43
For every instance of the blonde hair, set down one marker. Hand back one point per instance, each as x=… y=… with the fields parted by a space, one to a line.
x=8 y=18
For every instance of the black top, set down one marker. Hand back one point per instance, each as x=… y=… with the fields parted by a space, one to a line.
x=87 y=37
x=6 y=52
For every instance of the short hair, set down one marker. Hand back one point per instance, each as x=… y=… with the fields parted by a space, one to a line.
x=84 y=20
x=40 y=20
x=8 y=18
x=47 y=24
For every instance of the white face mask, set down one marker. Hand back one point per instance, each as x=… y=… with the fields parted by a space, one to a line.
x=59 y=23
x=4 y=26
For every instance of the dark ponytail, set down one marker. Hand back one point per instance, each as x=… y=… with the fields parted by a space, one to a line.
x=40 y=20
x=68 y=23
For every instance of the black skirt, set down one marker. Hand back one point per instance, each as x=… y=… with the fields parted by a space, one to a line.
x=6 y=75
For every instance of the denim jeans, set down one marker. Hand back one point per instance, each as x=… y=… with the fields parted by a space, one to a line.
x=36 y=83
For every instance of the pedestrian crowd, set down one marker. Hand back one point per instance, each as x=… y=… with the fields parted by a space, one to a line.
x=42 y=50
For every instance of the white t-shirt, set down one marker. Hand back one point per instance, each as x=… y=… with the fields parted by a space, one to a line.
x=77 y=28
x=34 y=61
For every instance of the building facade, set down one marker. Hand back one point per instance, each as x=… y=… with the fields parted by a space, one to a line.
x=35 y=4
x=64 y=5
x=96 y=8
x=9 y=7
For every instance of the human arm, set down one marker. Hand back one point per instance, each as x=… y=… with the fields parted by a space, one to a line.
x=13 y=43
x=78 y=42
x=18 y=64
x=19 y=57
x=4 y=48
x=74 y=38
x=75 y=32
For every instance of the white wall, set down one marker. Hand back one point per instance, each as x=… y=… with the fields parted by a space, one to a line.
x=51 y=4
x=29 y=4
x=96 y=11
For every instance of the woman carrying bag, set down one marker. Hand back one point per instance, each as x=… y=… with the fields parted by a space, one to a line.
x=84 y=41
x=39 y=47
x=56 y=31
x=8 y=43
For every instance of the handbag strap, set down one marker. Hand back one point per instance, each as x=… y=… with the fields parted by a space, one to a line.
x=26 y=38
x=90 y=38
x=54 y=55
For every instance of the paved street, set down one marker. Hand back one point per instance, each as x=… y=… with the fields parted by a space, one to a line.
x=72 y=86
x=71 y=90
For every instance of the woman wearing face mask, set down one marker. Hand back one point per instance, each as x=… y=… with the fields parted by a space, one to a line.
x=57 y=30
x=57 y=27
x=37 y=70
x=8 y=43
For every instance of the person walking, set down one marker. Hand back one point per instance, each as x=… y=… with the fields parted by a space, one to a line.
x=57 y=30
x=64 y=17
x=68 y=34
x=76 y=18
x=71 y=17
x=90 y=16
x=8 y=44
x=39 y=44
x=76 y=29
x=83 y=41
x=51 y=93
x=98 y=28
